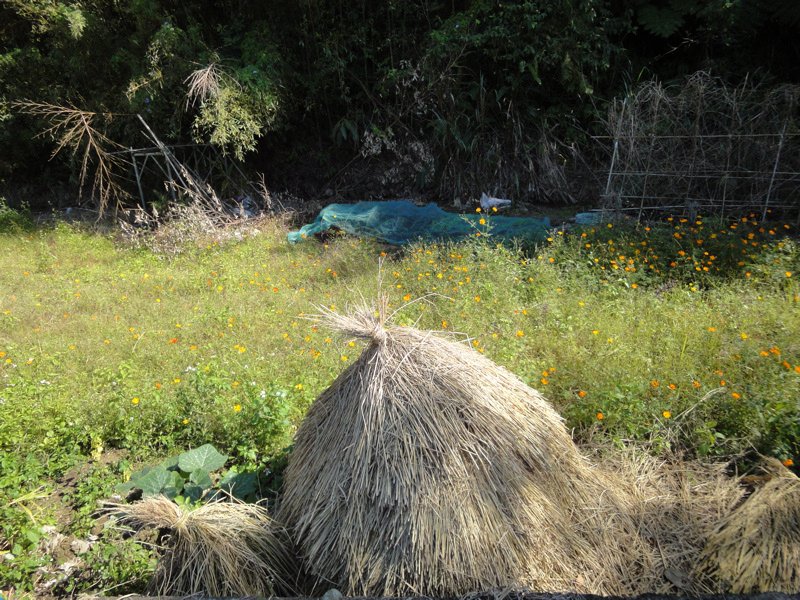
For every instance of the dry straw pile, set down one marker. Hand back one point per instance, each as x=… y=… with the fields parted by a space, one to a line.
x=756 y=547
x=218 y=549
x=427 y=469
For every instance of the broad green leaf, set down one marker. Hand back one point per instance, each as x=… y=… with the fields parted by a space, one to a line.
x=200 y=477
x=174 y=486
x=192 y=492
x=240 y=485
x=153 y=481
x=205 y=457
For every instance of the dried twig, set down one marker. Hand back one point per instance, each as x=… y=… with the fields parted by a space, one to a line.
x=75 y=129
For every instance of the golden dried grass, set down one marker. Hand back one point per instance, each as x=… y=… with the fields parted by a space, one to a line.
x=427 y=469
x=756 y=548
x=217 y=549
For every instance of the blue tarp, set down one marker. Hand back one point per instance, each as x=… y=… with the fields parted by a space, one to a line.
x=400 y=221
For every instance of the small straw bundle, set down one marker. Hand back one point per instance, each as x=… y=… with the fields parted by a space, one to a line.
x=217 y=549
x=756 y=548
x=677 y=503
x=426 y=469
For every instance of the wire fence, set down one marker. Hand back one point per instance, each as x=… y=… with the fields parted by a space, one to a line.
x=704 y=148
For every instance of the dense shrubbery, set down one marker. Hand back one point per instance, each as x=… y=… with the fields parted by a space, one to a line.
x=456 y=96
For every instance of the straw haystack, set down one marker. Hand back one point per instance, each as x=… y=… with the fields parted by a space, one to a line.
x=756 y=548
x=218 y=549
x=427 y=469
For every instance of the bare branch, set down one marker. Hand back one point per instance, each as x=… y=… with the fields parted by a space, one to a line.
x=74 y=129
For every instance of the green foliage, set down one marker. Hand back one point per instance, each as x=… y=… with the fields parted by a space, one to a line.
x=12 y=221
x=108 y=351
x=190 y=477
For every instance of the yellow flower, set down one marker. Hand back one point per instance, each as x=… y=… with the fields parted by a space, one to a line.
x=482 y=221
x=595 y=331
x=135 y=401
x=520 y=333
x=237 y=408
x=743 y=335
x=185 y=421
x=654 y=383
x=672 y=386
x=666 y=414
x=695 y=384
x=788 y=273
x=735 y=395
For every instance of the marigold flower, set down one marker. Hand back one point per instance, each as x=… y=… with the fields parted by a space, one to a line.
x=672 y=386
x=581 y=394
x=600 y=416
x=695 y=384
x=666 y=414
x=788 y=462
x=736 y=395
x=654 y=383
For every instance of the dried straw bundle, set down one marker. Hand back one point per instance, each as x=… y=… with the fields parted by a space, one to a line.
x=756 y=548
x=427 y=469
x=218 y=549
x=676 y=505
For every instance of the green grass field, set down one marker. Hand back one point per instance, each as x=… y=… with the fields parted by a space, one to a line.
x=680 y=336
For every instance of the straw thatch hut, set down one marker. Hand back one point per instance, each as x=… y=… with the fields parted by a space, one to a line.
x=427 y=469
x=756 y=547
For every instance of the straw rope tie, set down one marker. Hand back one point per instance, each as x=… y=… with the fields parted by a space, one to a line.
x=379 y=334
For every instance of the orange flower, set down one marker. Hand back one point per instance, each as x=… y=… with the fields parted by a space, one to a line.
x=173 y=341
x=695 y=384
x=600 y=416
x=672 y=386
x=735 y=395
x=581 y=394
x=654 y=383
x=788 y=462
